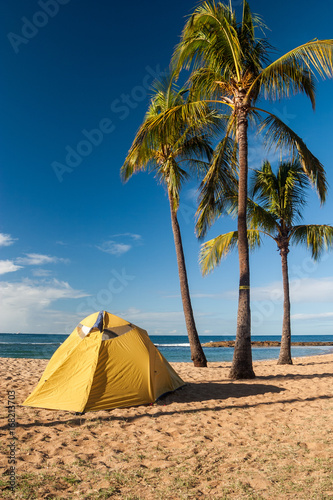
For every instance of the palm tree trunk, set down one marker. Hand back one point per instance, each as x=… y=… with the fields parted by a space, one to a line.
x=285 y=350
x=241 y=367
x=197 y=354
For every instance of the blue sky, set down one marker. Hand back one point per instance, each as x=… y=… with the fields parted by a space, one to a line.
x=73 y=238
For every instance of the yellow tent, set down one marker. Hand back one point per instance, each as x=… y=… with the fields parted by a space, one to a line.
x=105 y=363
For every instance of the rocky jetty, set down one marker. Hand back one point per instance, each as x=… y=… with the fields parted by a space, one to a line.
x=265 y=343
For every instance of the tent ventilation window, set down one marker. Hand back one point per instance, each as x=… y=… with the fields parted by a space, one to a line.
x=116 y=331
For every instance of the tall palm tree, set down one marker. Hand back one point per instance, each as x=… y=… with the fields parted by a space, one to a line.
x=231 y=67
x=280 y=199
x=172 y=148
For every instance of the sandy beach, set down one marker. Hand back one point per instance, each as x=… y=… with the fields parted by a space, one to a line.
x=267 y=438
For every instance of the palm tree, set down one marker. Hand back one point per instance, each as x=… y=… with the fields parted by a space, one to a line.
x=231 y=67
x=168 y=147
x=280 y=199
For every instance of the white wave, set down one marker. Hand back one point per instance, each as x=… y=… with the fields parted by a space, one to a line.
x=172 y=345
x=31 y=343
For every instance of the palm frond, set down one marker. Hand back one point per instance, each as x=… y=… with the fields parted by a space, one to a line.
x=264 y=183
x=316 y=55
x=210 y=38
x=290 y=80
x=142 y=155
x=186 y=115
x=292 y=182
x=206 y=83
x=260 y=217
x=316 y=237
x=294 y=71
x=218 y=188
x=250 y=22
x=247 y=22
x=279 y=135
x=173 y=177
x=213 y=251
x=174 y=139
x=254 y=238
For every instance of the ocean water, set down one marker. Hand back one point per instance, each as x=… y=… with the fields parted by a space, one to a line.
x=174 y=348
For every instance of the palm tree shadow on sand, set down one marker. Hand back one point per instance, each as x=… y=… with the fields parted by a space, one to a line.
x=189 y=393
x=197 y=393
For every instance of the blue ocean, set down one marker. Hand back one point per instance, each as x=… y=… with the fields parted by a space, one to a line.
x=173 y=347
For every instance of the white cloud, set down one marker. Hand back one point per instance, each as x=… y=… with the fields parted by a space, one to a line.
x=198 y=296
x=158 y=322
x=157 y=317
x=26 y=305
x=6 y=240
x=272 y=291
x=312 y=290
x=41 y=273
x=133 y=236
x=132 y=311
x=206 y=295
x=301 y=316
x=30 y=292
x=257 y=152
x=37 y=259
x=192 y=194
x=114 y=248
x=301 y=290
x=8 y=266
